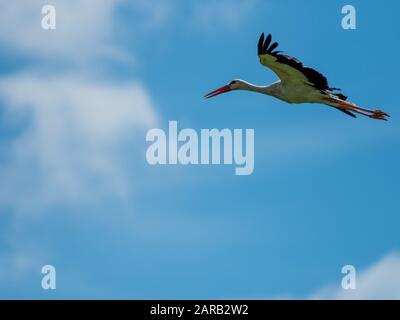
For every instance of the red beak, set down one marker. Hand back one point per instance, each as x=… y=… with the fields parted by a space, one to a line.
x=218 y=91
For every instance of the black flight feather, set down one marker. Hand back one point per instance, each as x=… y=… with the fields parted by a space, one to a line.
x=272 y=47
x=260 y=44
x=347 y=112
x=267 y=43
x=316 y=79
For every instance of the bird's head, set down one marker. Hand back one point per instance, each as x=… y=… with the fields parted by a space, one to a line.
x=233 y=85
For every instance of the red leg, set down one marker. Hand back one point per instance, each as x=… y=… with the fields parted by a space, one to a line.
x=373 y=114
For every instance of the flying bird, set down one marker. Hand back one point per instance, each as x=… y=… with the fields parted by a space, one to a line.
x=298 y=83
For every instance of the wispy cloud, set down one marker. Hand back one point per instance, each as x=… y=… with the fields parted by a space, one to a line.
x=84 y=29
x=153 y=14
x=70 y=144
x=210 y=15
x=381 y=280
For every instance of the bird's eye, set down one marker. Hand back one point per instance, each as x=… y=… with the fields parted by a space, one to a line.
x=232 y=82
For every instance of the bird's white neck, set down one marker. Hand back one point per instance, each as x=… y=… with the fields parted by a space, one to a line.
x=270 y=90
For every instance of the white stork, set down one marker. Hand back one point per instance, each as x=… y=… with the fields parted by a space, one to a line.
x=298 y=83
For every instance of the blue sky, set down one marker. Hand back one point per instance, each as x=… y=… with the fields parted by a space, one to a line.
x=77 y=193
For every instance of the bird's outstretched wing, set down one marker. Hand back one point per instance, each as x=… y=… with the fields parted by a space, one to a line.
x=289 y=69
x=292 y=71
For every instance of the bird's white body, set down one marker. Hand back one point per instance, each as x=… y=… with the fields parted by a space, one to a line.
x=298 y=93
x=288 y=92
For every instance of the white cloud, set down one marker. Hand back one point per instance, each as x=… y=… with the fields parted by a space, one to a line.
x=69 y=147
x=88 y=30
x=18 y=265
x=84 y=28
x=379 y=281
x=155 y=13
x=73 y=128
x=65 y=136
x=210 y=15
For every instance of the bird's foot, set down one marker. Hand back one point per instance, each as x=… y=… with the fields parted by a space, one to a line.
x=379 y=115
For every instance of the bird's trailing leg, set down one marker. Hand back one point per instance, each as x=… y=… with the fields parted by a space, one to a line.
x=373 y=114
